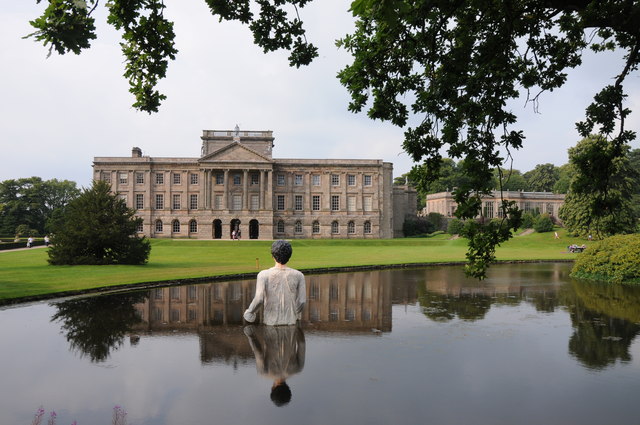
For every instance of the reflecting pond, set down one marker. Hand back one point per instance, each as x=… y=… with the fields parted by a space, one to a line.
x=528 y=345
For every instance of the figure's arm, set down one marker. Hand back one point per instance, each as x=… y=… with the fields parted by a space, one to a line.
x=258 y=299
x=301 y=295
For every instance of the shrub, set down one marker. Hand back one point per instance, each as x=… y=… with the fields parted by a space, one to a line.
x=455 y=226
x=528 y=220
x=614 y=259
x=414 y=226
x=543 y=223
x=98 y=228
x=437 y=220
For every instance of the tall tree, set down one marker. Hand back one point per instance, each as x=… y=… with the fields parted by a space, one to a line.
x=511 y=179
x=565 y=173
x=32 y=202
x=98 y=228
x=599 y=198
x=542 y=178
x=452 y=65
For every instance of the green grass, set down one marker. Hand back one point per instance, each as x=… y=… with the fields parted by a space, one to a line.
x=26 y=273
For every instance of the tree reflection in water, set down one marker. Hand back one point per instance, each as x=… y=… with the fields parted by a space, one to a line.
x=95 y=326
x=605 y=318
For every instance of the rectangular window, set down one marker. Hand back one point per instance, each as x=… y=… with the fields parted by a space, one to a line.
x=193 y=202
x=298 y=180
x=219 y=178
x=140 y=228
x=335 y=202
x=351 y=180
x=280 y=179
x=367 y=180
x=176 y=202
x=351 y=203
x=139 y=201
x=123 y=178
x=315 y=179
x=176 y=178
x=192 y=292
x=298 y=203
x=159 y=178
x=255 y=178
x=217 y=202
x=237 y=179
x=106 y=177
x=368 y=203
x=159 y=201
x=280 y=202
x=193 y=178
x=335 y=180
x=315 y=203
x=488 y=209
x=255 y=202
x=237 y=202
x=139 y=178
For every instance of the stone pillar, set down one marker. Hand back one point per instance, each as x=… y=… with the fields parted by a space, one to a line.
x=307 y=205
x=225 y=193
x=262 y=190
x=268 y=195
x=245 y=190
x=204 y=189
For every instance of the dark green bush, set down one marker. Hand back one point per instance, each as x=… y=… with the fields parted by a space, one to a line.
x=414 y=226
x=455 y=226
x=614 y=259
x=543 y=223
x=528 y=220
x=438 y=221
x=98 y=228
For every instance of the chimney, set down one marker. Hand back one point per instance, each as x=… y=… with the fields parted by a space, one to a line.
x=136 y=152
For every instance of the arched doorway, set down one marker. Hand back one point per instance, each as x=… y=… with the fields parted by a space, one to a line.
x=217 y=229
x=254 y=229
x=234 y=225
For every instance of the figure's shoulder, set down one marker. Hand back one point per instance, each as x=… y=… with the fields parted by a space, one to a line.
x=296 y=273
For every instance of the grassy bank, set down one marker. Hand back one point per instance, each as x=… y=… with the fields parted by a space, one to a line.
x=26 y=273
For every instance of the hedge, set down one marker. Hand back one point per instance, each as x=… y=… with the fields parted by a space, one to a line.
x=615 y=259
x=21 y=244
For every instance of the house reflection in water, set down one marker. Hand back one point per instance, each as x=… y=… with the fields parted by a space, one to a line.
x=349 y=303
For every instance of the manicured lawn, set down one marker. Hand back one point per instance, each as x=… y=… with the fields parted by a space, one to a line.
x=27 y=273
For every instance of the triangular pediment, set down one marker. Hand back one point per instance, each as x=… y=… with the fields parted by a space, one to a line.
x=235 y=152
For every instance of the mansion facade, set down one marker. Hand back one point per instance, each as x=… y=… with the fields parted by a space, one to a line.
x=542 y=202
x=237 y=186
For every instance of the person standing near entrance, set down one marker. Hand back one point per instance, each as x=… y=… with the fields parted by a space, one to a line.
x=280 y=290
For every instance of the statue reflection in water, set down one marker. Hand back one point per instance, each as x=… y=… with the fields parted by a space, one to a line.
x=279 y=353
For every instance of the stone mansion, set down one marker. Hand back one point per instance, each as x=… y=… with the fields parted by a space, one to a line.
x=236 y=185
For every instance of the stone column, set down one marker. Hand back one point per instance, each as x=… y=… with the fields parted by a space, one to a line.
x=307 y=205
x=245 y=190
x=268 y=196
x=225 y=193
x=262 y=190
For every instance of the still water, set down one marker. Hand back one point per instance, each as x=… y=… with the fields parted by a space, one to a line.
x=528 y=345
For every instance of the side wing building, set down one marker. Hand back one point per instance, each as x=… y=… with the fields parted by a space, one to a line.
x=236 y=185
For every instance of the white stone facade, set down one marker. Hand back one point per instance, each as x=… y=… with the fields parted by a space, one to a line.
x=543 y=202
x=236 y=184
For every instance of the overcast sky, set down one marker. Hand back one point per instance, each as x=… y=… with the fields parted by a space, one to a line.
x=57 y=114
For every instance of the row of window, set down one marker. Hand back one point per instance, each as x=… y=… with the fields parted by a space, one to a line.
x=123 y=178
x=176 y=203
x=280 y=227
x=315 y=227
x=175 y=227
x=236 y=202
